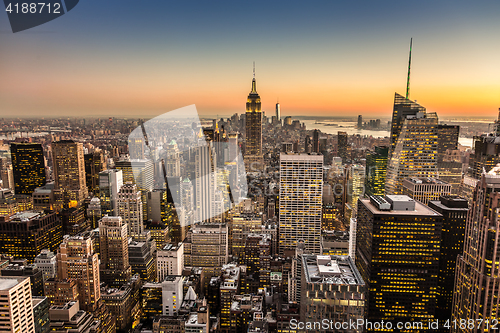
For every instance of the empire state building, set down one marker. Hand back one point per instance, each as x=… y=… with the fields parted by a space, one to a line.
x=254 y=160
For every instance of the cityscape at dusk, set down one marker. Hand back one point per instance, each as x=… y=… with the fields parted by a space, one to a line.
x=262 y=167
x=125 y=58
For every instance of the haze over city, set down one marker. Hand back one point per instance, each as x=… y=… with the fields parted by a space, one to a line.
x=130 y=58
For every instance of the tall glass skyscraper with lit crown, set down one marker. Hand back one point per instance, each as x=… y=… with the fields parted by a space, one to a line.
x=414 y=144
x=253 y=157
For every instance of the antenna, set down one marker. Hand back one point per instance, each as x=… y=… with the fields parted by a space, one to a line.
x=254 y=69
x=408 y=79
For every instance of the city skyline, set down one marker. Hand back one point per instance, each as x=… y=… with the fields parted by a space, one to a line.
x=325 y=60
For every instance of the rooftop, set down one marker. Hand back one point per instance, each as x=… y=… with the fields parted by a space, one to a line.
x=419 y=209
x=425 y=181
x=7 y=283
x=331 y=270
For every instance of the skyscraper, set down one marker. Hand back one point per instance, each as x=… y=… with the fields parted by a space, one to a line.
x=360 y=121
x=475 y=296
x=376 y=169
x=357 y=175
x=301 y=188
x=278 y=112
x=26 y=234
x=315 y=141
x=454 y=210
x=447 y=139
x=415 y=153
x=28 y=167
x=342 y=146
x=76 y=260
x=403 y=108
x=94 y=163
x=130 y=209
x=110 y=183
x=254 y=160
x=113 y=245
x=397 y=254
x=69 y=172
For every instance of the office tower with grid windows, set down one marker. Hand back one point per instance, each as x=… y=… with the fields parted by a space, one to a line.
x=415 y=152
x=26 y=234
x=475 y=296
x=376 y=169
x=301 y=187
x=425 y=189
x=397 y=255
x=28 y=167
x=69 y=173
x=447 y=139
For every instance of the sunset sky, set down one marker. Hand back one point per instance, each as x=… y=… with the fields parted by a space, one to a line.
x=129 y=58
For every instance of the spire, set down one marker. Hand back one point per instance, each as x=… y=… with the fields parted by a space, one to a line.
x=408 y=79
x=254 y=84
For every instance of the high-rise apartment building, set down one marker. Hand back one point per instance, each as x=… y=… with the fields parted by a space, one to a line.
x=301 y=188
x=342 y=148
x=254 y=160
x=76 y=260
x=415 y=152
x=113 y=245
x=69 y=173
x=475 y=296
x=28 y=166
x=425 y=189
x=397 y=255
x=16 y=304
x=376 y=169
x=110 y=183
x=454 y=210
x=26 y=234
x=130 y=209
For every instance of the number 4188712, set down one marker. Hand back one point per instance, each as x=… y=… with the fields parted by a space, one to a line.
x=34 y=8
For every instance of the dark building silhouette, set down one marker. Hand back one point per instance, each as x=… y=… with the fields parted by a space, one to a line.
x=454 y=210
x=94 y=163
x=342 y=146
x=26 y=234
x=397 y=254
x=28 y=167
x=447 y=139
